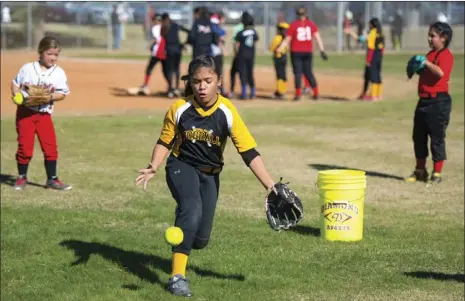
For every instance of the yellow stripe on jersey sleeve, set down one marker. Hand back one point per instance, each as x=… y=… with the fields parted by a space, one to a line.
x=371 y=41
x=169 y=128
x=240 y=134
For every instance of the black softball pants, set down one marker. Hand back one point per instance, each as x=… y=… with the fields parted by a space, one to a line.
x=280 y=68
x=171 y=68
x=153 y=61
x=431 y=119
x=302 y=63
x=245 y=66
x=196 y=195
x=232 y=73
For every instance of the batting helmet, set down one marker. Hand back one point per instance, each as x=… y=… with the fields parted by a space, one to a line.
x=443 y=29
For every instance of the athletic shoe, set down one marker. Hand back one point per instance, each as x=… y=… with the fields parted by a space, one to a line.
x=435 y=178
x=296 y=98
x=177 y=92
x=315 y=97
x=243 y=97
x=20 y=183
x=57 y=184
x=418 y=175
x=171 y=94
x=144 y=90
x=178 y=286
x=361 y=97
x=279 y=96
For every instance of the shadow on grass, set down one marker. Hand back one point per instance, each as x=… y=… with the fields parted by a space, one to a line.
x=136 y=263
x=368 y=172
x=436 y=276
x=10 y=180
x=306 y=230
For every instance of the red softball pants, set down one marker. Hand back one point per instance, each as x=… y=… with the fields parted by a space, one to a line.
x=29 y=123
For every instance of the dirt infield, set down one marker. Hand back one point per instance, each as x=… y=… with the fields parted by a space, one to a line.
x=97 y=86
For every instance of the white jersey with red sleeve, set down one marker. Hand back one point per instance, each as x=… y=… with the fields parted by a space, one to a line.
x=158 y=48
x=55 y=76
x=301 y=33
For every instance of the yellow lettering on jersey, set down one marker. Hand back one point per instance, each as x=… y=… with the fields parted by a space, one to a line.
x=196 y=134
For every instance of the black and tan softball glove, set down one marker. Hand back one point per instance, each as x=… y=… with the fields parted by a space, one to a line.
x=283 y=207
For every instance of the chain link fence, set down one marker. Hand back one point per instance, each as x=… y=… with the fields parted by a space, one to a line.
x=125 y=27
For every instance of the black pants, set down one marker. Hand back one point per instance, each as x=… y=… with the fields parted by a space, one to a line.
x=431 y=119
x=196 y=195
x=280 y=67
x=219 y=68
x=302 y=63
x=245 y=66
x=153 y=61
x=232 y=74
x=171 y=69
x=372 y=74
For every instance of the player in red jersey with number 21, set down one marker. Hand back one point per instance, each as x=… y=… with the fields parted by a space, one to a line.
x=300 y=37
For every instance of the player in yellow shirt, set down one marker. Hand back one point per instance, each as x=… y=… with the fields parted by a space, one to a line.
x=280 y=60
x=195 y=130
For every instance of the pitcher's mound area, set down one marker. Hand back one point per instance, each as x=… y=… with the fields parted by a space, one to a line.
x=110 y=86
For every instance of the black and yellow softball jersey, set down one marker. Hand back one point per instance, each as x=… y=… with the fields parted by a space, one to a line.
x=375 y=45
x=198 y=136
x=277 y=40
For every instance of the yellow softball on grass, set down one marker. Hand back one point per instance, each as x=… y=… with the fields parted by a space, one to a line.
x=174 y=236
x=18 y=98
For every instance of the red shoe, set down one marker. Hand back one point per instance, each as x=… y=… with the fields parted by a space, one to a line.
x=20 y=183
x=361 y=97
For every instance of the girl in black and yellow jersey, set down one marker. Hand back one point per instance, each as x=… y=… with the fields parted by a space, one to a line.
x=280 y=60
x=196 y=129
x=374 y=60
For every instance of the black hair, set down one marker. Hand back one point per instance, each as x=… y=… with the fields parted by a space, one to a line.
x=203 y=60
x=281 y=30
x=244 y=16
x=377 y=24
x=301 y=11
x=165 y=16
x=247 y=20
x=444 y=30
x=204 y=13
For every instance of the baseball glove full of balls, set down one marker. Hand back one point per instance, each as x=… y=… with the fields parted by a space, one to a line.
x=283 y=207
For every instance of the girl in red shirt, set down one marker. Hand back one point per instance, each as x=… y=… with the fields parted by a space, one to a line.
x=432 y=113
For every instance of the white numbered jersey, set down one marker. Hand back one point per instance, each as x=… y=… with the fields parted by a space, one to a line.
x=31 y=73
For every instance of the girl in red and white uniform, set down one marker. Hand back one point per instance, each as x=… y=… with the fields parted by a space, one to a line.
x=38 y=119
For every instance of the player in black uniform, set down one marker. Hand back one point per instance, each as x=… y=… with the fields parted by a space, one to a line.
x=195 y=130
x=202 y=35
x=173 y=46
x=245 y=45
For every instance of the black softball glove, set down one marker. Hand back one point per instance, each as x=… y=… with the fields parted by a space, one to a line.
x=324 y=56
x=283 y=207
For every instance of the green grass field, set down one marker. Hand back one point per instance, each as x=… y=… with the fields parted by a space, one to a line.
x=104 y=239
